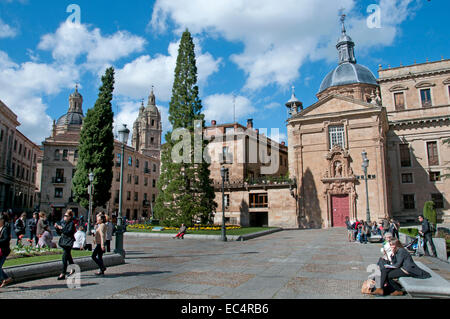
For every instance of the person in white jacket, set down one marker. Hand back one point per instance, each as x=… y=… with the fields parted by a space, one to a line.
x=109 y=233
x=80 y=239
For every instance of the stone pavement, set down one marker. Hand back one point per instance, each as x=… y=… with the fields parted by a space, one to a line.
x=292 y=264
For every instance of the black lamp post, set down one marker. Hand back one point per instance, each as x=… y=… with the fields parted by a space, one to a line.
x=365 y=165
x=223 y=172
x=123 y=138
x=91 y=186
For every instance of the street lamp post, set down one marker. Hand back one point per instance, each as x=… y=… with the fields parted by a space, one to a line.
x=123 y=137
x=365 y=165
x=223 y=172
x=91 y=180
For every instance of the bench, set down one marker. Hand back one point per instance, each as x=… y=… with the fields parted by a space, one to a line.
x=158 y=228
x=434 y=287
x=375 y=238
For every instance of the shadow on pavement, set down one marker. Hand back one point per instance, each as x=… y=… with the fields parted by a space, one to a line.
x=47 y=287
x=133 y=274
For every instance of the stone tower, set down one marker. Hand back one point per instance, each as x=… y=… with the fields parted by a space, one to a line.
x=147 y=129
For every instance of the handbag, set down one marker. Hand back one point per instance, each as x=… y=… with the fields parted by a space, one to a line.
x=368 y=286
x=66 y=241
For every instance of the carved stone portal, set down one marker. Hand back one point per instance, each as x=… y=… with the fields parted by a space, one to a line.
x=339 y=180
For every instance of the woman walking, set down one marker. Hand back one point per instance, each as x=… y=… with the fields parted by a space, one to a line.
x=402 y=266
x=5 y=250
x=99 y=241
x=66 y=242
x=20 y=227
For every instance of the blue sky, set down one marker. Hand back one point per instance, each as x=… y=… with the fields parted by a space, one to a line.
x=255 y=50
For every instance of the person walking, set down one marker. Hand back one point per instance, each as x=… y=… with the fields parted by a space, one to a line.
x=349 y=229
x=181 y=232
x=427 y=236
x=402 y=266
x=32 y=227
x=99 y=241
x=66 y=242
x=393 y=228
x=109 y=233
x=20 y=227
x=5 y=250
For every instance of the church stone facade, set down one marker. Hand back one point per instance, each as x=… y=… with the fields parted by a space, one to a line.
x=399 y=120
x=141 y=166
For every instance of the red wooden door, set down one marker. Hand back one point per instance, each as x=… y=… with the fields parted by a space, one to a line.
x=340 y=207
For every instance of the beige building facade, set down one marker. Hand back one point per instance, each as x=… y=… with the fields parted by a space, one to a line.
x=59 y=161
x=18 y=165
x=256 y=184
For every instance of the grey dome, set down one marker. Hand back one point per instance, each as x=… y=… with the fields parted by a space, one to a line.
x=348 y=73
x=71 y=119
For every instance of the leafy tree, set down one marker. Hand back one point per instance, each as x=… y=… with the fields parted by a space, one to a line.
x=429 y=212
x=185 y=190
x=96 y=149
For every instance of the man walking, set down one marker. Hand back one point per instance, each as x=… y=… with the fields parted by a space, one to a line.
x=427 y=236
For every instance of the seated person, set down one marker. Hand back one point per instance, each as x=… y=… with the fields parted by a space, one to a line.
x=80 y=239
x=46 y=240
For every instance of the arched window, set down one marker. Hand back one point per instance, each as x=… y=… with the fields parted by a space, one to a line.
x=57 y=155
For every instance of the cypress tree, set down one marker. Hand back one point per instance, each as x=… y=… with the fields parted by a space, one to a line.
x=96 y=149
x=185 y=190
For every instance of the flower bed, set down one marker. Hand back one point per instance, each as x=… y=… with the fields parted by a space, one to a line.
x=31 y=251
x=194 y=228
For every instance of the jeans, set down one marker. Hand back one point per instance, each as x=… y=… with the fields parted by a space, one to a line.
x=108 y=246
x=388 y=276
x=428 y=238
x=97 y=256
x=3 y=275
x=363 y=238
x=67 y=258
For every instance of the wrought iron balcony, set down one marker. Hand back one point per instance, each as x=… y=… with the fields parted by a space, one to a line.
x=59 y=180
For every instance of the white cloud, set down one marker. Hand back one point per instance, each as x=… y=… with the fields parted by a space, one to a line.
x=73 y=40
x=279 y=37
x=135 y=79
x=220 y=107
x=7 y=31
x=22 y=87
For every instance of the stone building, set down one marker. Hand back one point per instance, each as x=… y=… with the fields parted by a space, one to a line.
x=399 y=120
x=59 y=162
x=256 y=183
x=18 y=165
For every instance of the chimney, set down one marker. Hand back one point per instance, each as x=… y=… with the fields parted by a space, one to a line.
x=250 y=123
x=213 y=123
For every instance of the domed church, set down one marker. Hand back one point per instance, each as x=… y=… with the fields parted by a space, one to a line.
x=393 y=122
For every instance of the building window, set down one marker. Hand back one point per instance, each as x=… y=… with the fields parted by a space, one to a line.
x=128 y=195
x=136 y=180
x=154 y=183
x=137 y=163
x=258 y=201
x=65 y=154
x=407 y=178
x=153 y=122
x=136 y=196
x=153 y=198
x=129 y=178
x=1 y=136
x=130 y=161
x=75 y=154
x=337 y=136
x=58 y=193
x=227 y=200
x=57 y=154
x=438 y=200
x=433 y=158
x=408 y=201
x=145 y=181
x=425 y=96
x=154 y=168
x=15 y=145
x=399 y=99
x=405 y=158
x=435 y=176
x=20 y=149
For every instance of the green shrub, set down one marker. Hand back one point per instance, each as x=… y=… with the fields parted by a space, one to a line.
x=412 y=232
x=430 y=213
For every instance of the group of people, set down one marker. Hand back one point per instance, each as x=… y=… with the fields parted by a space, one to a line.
x=361 y=231
x=72 y=238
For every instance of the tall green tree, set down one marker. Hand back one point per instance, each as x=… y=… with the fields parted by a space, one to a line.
x=185 y=189
x=96 y=148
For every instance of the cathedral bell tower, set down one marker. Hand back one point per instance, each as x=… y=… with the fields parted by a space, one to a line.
x=147 y=129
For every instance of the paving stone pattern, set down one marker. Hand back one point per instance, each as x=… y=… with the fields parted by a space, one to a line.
x=292 y=264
